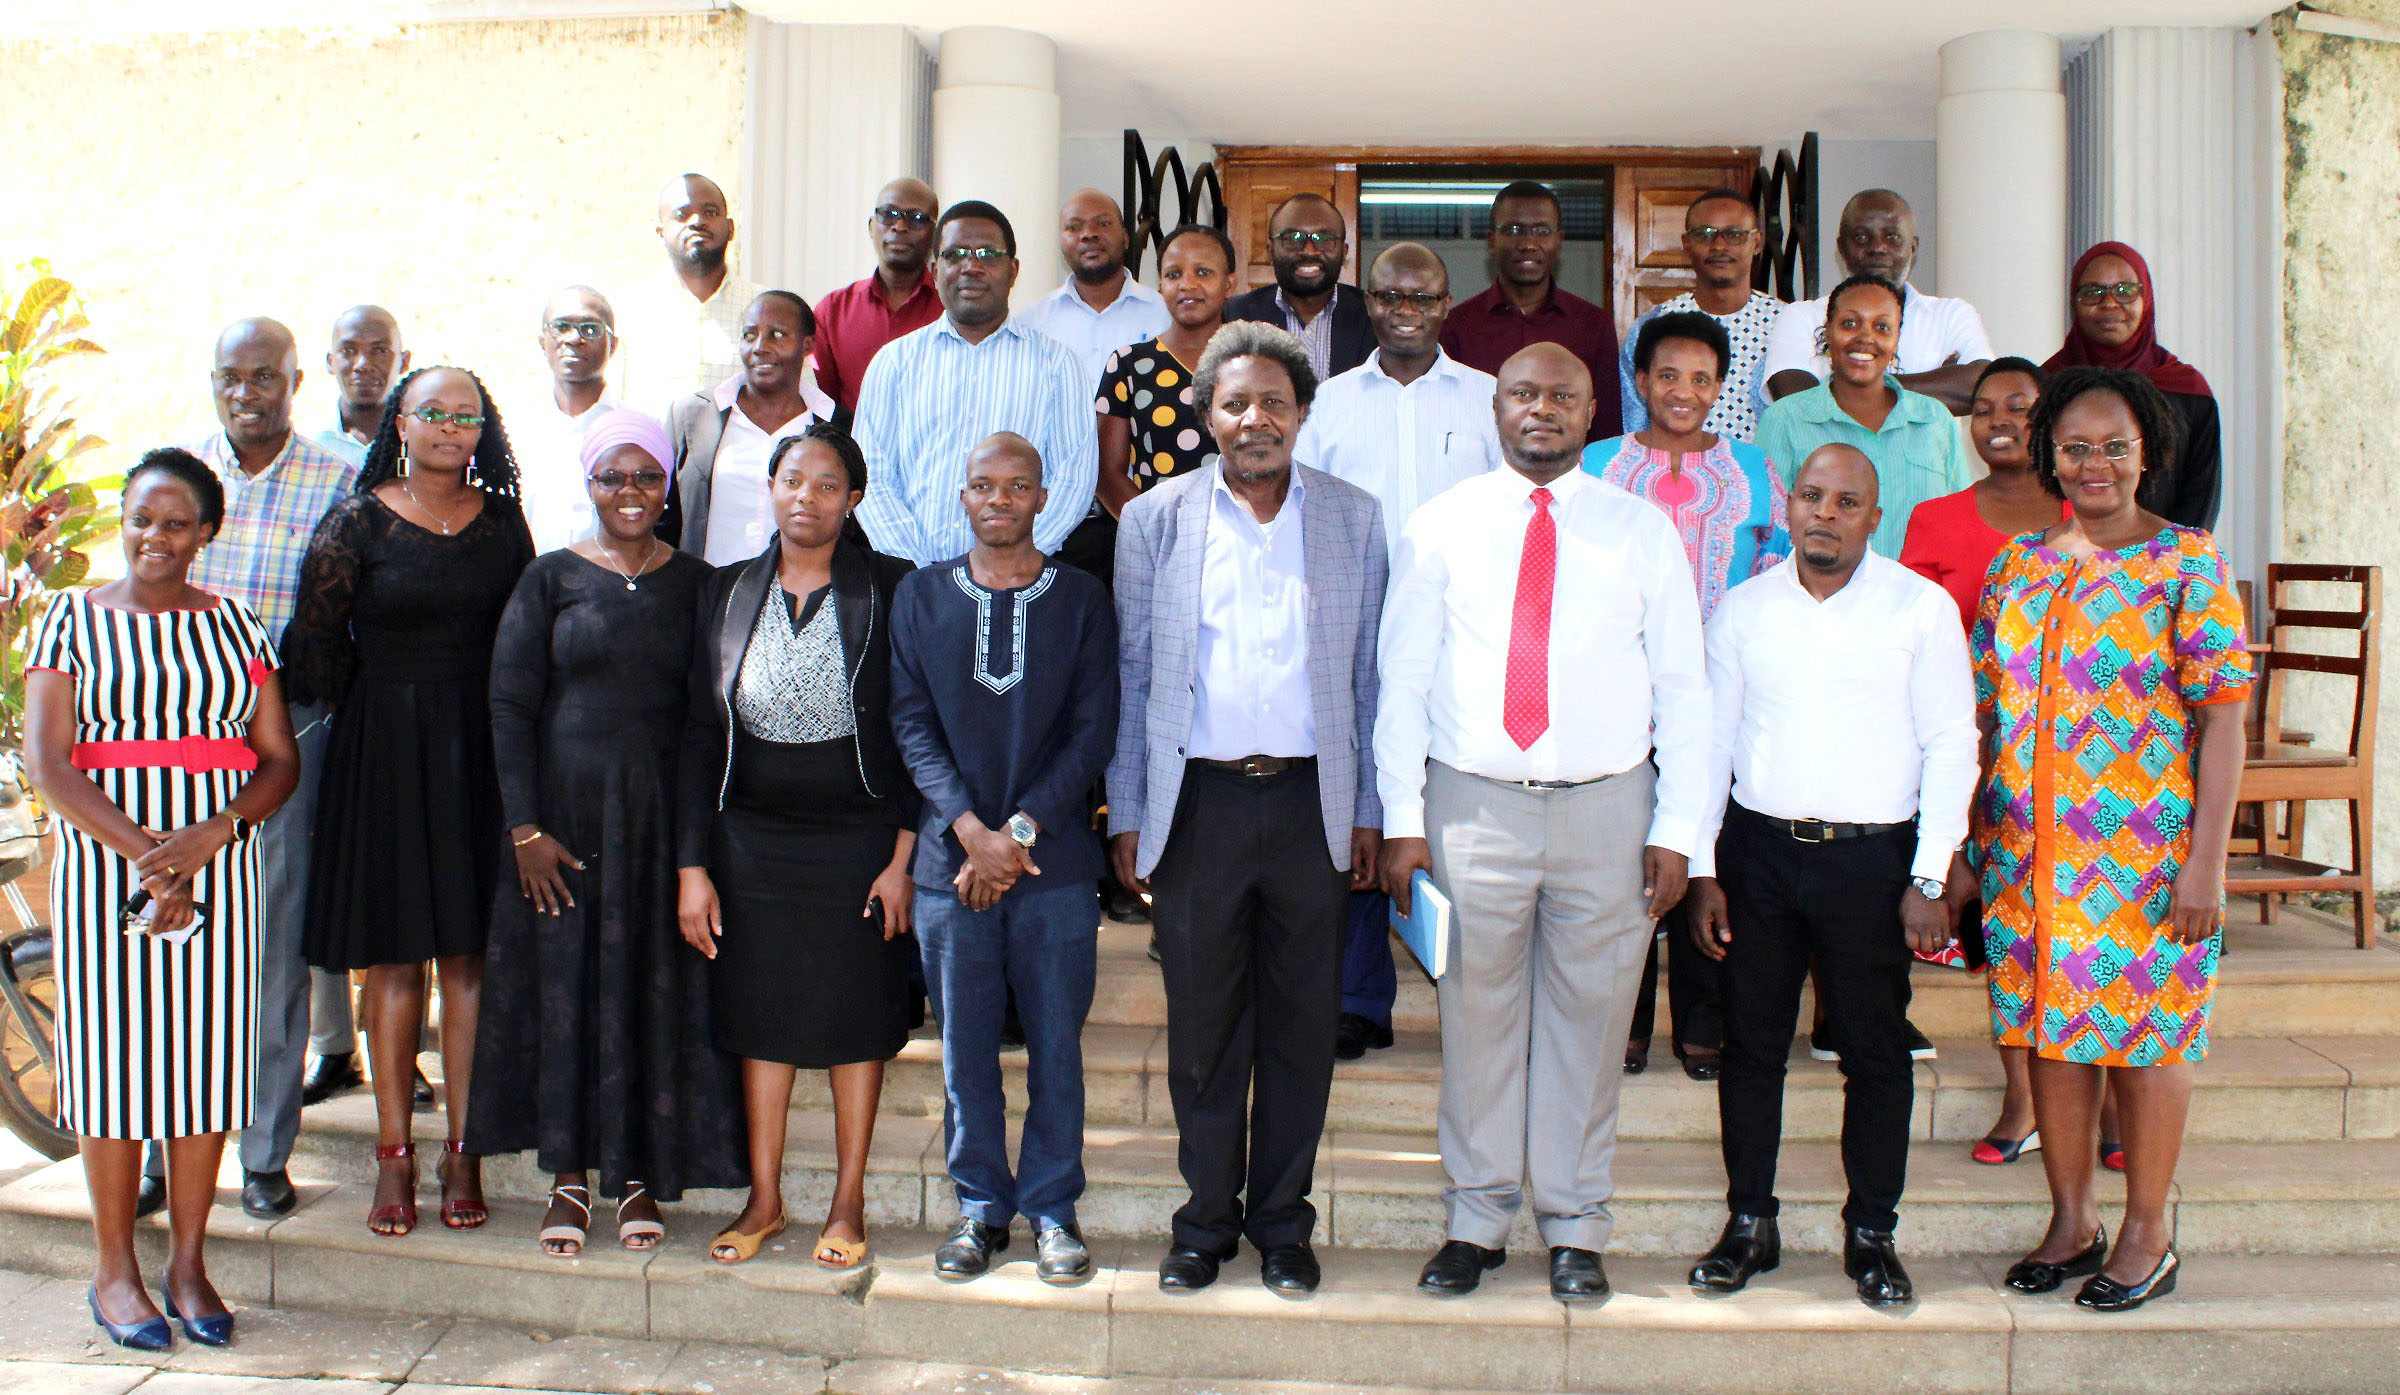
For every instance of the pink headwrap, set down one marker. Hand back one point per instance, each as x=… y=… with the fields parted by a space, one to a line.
x=623 y=426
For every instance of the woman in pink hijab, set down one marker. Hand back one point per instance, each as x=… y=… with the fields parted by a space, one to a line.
x=2113 y=323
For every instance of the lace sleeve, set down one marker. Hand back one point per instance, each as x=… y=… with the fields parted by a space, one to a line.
x=319 y=651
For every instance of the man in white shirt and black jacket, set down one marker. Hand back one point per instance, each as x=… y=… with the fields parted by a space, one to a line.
x=1845 y=726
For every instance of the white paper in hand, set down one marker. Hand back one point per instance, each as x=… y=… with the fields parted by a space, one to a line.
x=1426 y=928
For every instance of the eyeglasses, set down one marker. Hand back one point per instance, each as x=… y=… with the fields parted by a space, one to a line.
x=2123 y=293
x=1297 y=238
x=960 y=256
x=586 y=330
x=1731 y=237
x=2079 y=453
x=891 y=217
x=1533 y=230
x=1423 y=302
x=435 y=416
x=613 y=480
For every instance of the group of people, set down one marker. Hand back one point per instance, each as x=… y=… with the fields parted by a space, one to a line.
x=687 y=748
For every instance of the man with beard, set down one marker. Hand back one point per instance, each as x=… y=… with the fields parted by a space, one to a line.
x=933 y=393
x=1309 y=241
x=578 y=334
x=1845 y=724
x=1720 y=235
x=898 y=296
x=1525 y=304
x=1943 y=346
x=1513 y=752
x=364 y=361
x=688 y=336
x=1101 y=308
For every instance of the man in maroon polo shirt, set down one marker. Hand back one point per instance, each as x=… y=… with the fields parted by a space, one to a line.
x=1525 y=306
x=858 y=319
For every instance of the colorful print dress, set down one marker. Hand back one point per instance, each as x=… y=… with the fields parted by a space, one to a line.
x=2093 y=669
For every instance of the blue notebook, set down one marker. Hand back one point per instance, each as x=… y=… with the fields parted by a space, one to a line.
x=1426 y=932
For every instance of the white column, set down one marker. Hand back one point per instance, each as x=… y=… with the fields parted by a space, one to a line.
x=834 y=113
x=995 y=138
x=2000 y=134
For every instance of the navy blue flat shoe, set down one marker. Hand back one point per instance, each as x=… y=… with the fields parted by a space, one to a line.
x=150 y=1334
x=213 y=1331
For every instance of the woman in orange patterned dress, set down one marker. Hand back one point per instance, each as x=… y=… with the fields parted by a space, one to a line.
x=2110 y=665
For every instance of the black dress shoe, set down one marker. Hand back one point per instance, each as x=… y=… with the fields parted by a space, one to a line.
x=268 y=1195
x=2103 y=1294
x=1289 y=1269
x=420 y=1094
x=969 y=1250
x=2044 y=1276
x=1458 y=1267
x=1356 y=1035
x=1703 y=1066
x=150 y=1197
x=1873 y=1259
x=1060 y=1256
x=1750 y=1246
x=1919 y=1049
x=1575 y=1275
x=1637 y=1060
x=1187 y=1270
x=1121 y=905
x=329 y=1076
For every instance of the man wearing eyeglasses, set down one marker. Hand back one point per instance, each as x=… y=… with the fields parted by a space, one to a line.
x=1943 y=346
x=1309 y=241
x=1525 y=305
x=1720 y=235
x=578 y=335
x=897 y=297
x=933 y=393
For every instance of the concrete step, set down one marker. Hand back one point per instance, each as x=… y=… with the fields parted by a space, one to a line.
x=2282 y=1320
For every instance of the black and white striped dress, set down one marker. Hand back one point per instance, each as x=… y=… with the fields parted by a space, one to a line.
x=156 y=1040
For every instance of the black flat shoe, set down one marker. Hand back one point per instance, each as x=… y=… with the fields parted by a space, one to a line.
x=1703 y=1067
x=1357 y=1035
x=1750 y=1246
x=1186 y=1270
x=1873 y=1259
x=266 y=1196
x=969 y=1250
x=329 y=1076
x=1289 y=1269
x=1575 y=1275
x=420 y=1094
x=1458 y=1267
x=2103 y=1294
x=2031 y=1275
x=150 y=1197
x=1122 y=905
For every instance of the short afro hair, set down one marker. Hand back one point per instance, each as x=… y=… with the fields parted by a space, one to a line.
x=1682 y=324
x=2162 y=433
x=1253 y=339
x=183 y=466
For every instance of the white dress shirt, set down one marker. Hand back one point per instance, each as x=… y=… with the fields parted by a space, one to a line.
x=1138 y=313
x=1859 y=708
x=1402 y=442
x=549 y=448
x=1627 y=665
x=1253 y=697
x=740 y=517
x=1932 y=329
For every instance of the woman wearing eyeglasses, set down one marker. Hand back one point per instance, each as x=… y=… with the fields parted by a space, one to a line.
x=399 y=599
x=2115 y=325
x=2111 y=675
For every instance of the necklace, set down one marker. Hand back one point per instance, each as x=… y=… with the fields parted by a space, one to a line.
x=410 y=491
x=632 y=578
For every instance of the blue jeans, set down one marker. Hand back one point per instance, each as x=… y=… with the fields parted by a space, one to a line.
x=1043 y=943
x=1370 y=981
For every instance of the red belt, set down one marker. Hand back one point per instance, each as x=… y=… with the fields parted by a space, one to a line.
x=190 y=752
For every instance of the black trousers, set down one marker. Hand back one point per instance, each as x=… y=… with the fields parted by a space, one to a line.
x=1695 y=988
x=1249 y=912
x=1788 y=901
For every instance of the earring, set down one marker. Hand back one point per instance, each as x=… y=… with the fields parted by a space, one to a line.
x=474 y=480
x=404 y=462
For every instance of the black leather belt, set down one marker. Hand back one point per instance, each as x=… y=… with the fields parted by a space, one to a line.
x=1819 y=831
x=1257 y=767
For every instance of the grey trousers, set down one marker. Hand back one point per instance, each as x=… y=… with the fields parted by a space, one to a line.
x=1551 y=933
x=332 y=1027
x=284 y=987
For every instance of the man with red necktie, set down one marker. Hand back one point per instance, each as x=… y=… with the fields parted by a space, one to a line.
x=1541 y=627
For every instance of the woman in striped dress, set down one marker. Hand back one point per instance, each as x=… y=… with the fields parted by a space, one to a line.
x=155 y=729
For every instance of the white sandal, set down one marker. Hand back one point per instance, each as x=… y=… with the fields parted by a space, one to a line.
x=567 y=1234
x=648 y=1233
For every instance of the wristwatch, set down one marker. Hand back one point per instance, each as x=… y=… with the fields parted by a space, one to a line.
x=1021 y=828
x=1927 y=887
x=241 y=826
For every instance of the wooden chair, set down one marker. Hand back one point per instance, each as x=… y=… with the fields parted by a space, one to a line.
x=2286 y=772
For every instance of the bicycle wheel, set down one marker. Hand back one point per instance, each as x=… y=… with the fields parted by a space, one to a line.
x=28 y=1037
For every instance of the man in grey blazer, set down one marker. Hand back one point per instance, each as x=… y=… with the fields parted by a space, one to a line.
x=1247 y=600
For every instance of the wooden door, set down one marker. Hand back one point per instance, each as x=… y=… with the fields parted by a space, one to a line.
x=1253 y=188
x=1647 y=249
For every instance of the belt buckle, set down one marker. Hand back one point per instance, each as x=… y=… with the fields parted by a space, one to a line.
x=1254 y=766
x=1823 y=831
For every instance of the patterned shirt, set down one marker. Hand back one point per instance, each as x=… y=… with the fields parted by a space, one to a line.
x=1741 y=398
x=1316 y=336
x=269 y=519
x=1726 y=505
x=1147 y=385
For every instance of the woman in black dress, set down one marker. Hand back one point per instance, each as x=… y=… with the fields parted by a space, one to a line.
x=595 y=1046
x=795 y=829
x=399 y=598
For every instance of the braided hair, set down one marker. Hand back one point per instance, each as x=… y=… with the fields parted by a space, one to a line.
x=495 y=466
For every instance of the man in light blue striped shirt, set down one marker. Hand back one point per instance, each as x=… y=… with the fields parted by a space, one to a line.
x=931 y=394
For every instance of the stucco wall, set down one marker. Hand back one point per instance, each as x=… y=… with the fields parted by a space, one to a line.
x=454 y=173
x=2341 y=494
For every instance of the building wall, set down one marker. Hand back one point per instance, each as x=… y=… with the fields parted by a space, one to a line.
x=2341 y=363
x=455 y=173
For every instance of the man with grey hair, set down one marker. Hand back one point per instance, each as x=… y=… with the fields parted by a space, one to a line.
x=1248 y=596
x=1943 y=346
x=578 y=336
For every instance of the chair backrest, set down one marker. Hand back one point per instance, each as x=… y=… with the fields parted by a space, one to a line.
x=2358 y=654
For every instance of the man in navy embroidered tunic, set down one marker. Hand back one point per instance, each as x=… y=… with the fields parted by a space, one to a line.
x=1004 y=701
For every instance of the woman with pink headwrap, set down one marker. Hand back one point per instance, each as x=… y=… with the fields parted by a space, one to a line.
x=594 y=1047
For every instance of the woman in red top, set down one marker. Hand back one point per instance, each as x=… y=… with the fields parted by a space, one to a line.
x=1952 y=540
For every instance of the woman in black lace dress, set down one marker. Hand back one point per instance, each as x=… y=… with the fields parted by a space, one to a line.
x=399 y=598
x=594 y=1046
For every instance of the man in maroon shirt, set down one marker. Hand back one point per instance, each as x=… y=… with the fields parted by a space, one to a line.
x=858 y=319
x=1525 y=306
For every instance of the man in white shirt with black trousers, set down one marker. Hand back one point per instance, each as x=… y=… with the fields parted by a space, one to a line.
x=1845 y=726
x=1513 y=754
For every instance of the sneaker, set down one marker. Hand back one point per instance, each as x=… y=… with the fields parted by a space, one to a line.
x=1919 y=1049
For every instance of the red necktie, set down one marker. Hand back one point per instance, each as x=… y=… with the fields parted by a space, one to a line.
x=1525 y=703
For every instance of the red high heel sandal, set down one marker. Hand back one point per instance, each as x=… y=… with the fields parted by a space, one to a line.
x=399 y=1218
x=457 y=1212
